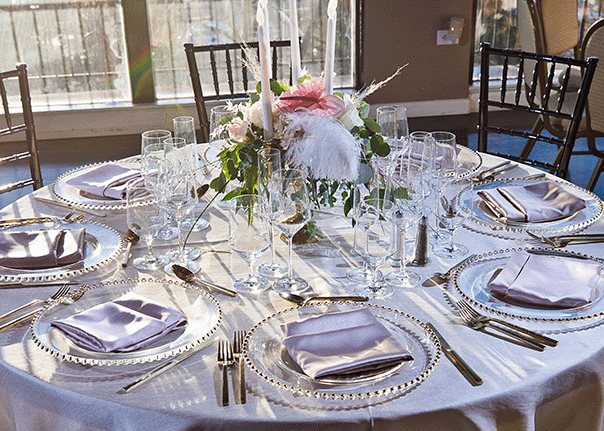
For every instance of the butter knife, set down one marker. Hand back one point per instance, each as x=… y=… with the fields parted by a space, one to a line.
x=61 y=204
x=456 y=360
x=164 y=367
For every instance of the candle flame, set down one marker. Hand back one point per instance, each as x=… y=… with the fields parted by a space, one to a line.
x=260 y=16
x=331 y=8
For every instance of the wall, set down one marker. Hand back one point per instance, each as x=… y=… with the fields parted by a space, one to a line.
x=397 y=32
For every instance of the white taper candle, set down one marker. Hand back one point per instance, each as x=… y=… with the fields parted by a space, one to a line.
x=330 y=45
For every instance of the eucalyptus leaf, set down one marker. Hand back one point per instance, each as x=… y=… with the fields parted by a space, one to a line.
x=379 y=146
x=371 y=124
x=365 y=174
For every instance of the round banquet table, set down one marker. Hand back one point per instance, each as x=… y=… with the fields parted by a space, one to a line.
x=561 y=388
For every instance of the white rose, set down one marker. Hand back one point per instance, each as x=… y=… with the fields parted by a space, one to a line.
x=254 y=114
x=350 y=117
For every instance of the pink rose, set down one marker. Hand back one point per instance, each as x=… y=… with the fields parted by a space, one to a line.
x=237 y=129
x=308 y=97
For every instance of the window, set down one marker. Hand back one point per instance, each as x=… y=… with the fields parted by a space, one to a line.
x=88 y=52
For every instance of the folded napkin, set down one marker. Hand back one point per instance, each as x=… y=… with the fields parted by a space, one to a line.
x=107 y=180
x=548 y=280
x=123 y=325
x=538 y=202
x=342 y=343
x=40 y=249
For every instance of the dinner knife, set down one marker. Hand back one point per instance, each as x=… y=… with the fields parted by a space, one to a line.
x=164 y=367
x=61 y=204
x=456 y=360
x=34 y=284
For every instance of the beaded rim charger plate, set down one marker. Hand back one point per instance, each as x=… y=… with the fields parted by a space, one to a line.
x=201 y=310
x=264 y=354
x=472 y=279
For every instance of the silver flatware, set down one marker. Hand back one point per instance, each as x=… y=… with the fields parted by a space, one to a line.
x=63 y=290
x=131 y=238
x=164 y=367
x=443 y=277
x=34 y=284
x=225 y=360
x=64 y=205
x=186 y=275
x=534 y=335
x=238 y=337
x=481 y=175
x=300 y=300
x=481 y=325
x=494 y=174
x=456 y=360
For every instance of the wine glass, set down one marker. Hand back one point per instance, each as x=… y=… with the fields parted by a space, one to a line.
x=144 y=217
x=249 y=237
x=269 y=161
x=393 y=121
x=290 y=210
x=451 y=213
x=407 y=175
x=178 y=198
x=376 y=243
x=151 y=137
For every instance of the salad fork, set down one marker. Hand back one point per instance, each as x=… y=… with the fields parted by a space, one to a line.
x=480 y=317
x=238 y=337
x=63 y=290
x=224 y=360
x=480 y=325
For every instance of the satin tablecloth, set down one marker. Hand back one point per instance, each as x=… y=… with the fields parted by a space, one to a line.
x=559 y=389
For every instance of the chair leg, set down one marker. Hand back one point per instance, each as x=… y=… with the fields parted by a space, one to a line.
x=591 y=184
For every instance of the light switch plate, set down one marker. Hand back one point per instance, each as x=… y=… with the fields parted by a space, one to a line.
x=442 y=38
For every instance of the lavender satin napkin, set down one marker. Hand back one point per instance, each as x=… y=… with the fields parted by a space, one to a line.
x=549 y=280
x=40 y=249
x=123 y=325
x=538 y=202
x=107 y=180
x=342 y=343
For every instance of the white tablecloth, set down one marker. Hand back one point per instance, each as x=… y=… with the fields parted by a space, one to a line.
x=559 y=389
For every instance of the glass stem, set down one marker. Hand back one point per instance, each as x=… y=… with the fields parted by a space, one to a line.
x=403 y=264
x=272 y=242
x=181 y=240
x=290 y=272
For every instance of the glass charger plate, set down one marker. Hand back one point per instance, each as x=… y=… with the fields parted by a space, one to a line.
x=265 y=355
x=471 y=280
x=479 y=214
x=469 y=159
x=201 y=310
x=73 y=196
x=102 y=244
x=211 y=153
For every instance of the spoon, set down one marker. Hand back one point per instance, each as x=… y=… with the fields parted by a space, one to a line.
x=186 y=275
x=131 y=237
x=300 y=300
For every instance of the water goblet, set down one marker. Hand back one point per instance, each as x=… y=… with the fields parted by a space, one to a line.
x=269 y=161
x=249 y=237
x=451 y=213
x=376 y=233
x=290 y=210
x=144 y=217
x=151 y=137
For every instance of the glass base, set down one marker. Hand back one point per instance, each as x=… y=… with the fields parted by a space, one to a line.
x=291 y=285
x=166 y=233
x=192 y=254
x=455 y=251
x=251 y=284
x=148 y=263
x=406 y=279
x=191 y=265
x=361 y=275
x=272 y=269
x=377 y=290
x=201 y=224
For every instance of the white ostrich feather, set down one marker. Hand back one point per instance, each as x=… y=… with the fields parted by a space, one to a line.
x=324 y=146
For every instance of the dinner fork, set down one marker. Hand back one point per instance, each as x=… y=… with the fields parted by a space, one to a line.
x=64 y=299
x=480 y=317
x=238 y=337
x=224 y=360
x=63 y=290
x=480 y=325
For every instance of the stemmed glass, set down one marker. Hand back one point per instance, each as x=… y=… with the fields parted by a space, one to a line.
x=151 y=137
x=376 y=243
x=144 y=217
x=249 y=237
x=451 y=213
x=393 y=121
x=178 y=198
x=269 y=161
x=290 y=210
x=407 y=175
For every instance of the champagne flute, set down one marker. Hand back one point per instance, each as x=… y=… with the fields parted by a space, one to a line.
x=151 y=137
x=376 y=233
x=249 y=237
x=144 y=217
x=290 y=211
x=269 y=161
